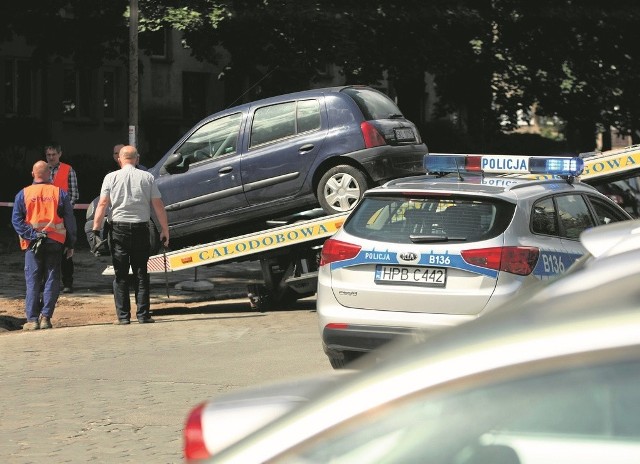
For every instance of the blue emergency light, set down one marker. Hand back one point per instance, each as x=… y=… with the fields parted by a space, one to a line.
x=504 y=164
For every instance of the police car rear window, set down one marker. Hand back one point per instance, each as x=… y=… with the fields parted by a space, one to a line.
x=429 y=219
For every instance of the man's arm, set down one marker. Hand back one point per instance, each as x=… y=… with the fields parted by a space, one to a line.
x=74 y=192
x=18 y=221
x=69 y=220
x=101 y=210
x=161 y=214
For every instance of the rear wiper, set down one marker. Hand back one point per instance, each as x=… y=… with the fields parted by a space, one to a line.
x=435 y=238
x=395 y=116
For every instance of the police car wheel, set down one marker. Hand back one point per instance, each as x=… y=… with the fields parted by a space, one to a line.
x=341 y=188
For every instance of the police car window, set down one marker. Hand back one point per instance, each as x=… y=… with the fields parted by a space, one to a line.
x=605 y=213
x=420 y=220
x=544 y=218
x=215 y=138
x=273 y=122
x=573 y=215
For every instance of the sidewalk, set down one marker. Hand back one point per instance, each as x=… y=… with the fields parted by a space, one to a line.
x=121 y=394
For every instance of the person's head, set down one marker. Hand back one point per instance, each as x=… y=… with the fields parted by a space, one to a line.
x=128 y=155
x=53 y=152
x=40 y=172
x=116 y=151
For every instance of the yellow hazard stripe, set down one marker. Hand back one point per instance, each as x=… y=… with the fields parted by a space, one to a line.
x=611 y=164
x=255 y=243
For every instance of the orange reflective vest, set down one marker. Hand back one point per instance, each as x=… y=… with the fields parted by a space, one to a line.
x=62 y=177
x=41 y=203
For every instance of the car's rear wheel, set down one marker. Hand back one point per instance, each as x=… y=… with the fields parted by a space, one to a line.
x=341 y=188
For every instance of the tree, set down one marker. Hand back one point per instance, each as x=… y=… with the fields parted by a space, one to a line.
x=576 y=60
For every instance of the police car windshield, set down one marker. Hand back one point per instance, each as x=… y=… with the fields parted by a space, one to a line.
x=400 y=219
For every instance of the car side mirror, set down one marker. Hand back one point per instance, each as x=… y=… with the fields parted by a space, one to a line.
x=175 y=164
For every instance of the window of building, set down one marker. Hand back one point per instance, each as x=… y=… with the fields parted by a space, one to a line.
x=109 y=94
x=156 y=43
x=77 y=98
x=194 y=96
x=18 y=88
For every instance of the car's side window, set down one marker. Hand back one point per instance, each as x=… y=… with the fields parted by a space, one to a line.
x=215 y=138
x=574 y=215
x=544 y=218
x=605 y=213
x=308 y=118
x=275 y=122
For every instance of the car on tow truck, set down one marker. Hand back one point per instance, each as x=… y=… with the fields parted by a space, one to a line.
x=262 y=160
x=434 y=251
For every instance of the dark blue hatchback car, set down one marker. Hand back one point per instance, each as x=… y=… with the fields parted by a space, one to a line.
x=285 y=154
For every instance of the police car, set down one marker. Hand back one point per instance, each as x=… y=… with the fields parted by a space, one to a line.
x=433 y=251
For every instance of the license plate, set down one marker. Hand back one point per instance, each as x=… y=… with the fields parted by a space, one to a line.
x=411 y=275
x=404 y=134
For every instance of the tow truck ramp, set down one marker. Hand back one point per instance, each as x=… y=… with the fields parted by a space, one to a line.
x=288 y=257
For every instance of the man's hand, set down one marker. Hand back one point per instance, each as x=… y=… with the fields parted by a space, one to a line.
x=68 y=252
x=164 y=238
x=37 y=245
x=95 y=242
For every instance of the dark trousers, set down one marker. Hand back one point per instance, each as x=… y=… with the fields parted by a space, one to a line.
x=66 y=267
x=130 y=249
x=42 y=274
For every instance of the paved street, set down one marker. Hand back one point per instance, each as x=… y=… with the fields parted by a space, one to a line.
x=120 y=394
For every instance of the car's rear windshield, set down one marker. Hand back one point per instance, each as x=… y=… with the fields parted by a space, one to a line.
x=429 y=219
x=373 y=104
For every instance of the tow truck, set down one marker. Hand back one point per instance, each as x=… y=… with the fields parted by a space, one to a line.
x=289 y=253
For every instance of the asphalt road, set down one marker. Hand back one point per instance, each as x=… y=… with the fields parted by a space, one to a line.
x=121 y=394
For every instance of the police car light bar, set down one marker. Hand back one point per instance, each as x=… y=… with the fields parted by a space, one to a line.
x=504 y=164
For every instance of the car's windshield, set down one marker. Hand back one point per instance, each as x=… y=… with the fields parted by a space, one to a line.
x=580 y=414
x=402 y=219
x=374 y=105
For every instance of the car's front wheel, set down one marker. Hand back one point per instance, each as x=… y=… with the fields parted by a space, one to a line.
x=340 y=188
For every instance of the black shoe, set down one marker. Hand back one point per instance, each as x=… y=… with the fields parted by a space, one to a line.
x=68 y=289
x=147 y=320
x=121 y=322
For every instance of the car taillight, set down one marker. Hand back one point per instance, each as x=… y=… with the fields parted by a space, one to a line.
x=372 y=138
x=194 y=446
x=515 y=260
x=335 y=250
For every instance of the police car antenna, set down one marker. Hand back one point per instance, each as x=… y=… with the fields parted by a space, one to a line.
x=460 y=178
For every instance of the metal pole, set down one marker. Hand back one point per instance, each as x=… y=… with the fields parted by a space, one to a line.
x=133 y=72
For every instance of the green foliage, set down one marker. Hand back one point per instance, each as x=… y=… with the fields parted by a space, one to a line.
x=491 y=60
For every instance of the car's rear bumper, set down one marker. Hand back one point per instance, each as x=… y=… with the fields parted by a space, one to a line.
x=360 y=337
x=391 y=162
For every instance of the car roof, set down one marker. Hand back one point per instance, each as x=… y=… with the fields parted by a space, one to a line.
x=594 y=317
x=287 y=96
x=491 y=185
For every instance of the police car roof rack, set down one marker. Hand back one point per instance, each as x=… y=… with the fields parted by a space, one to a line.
x=567 y=168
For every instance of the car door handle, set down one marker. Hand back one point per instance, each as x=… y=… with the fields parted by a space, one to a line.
x=305 y=148
x=225 y=170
